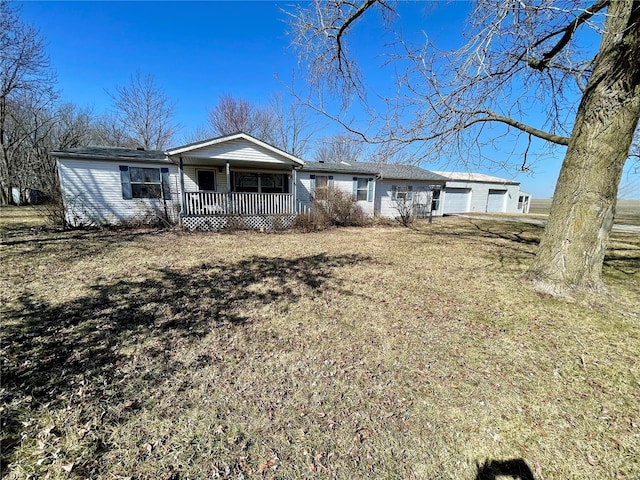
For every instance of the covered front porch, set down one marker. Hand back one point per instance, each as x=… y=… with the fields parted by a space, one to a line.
x=236 y=182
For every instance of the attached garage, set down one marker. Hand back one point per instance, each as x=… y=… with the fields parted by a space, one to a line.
x=496 y=200
x=456 y=200
x=478 y=193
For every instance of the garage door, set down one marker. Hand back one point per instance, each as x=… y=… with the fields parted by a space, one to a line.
x=496 y=200
x=456 y=200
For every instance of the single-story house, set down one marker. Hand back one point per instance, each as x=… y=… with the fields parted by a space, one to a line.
x=238 y=179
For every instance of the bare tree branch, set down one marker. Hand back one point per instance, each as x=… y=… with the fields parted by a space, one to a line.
x=284 y=126
x=567 y=33
x=526 y=71
x=145 y=112
x=26 y=90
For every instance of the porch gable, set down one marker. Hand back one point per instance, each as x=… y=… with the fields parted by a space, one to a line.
x=238 y=149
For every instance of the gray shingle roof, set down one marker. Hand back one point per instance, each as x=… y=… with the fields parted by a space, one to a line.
x=359 y=167
x=408 y=172
x=112 y=153
x=388 y=171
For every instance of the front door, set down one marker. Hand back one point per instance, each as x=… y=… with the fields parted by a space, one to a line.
x=206 y=180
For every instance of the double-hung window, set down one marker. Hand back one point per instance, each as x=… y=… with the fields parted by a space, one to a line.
x=435 y=199
x=320 y=185
x=144 y=182
x=363 y=189
x=402 y=192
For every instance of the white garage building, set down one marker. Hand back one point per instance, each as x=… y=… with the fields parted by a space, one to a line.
x=478 y=193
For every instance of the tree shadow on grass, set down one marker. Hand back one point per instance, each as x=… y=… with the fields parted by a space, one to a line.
x=51 y=349
x=521 y=233
x=626 y=264
x=69 y=245
x=523 y=239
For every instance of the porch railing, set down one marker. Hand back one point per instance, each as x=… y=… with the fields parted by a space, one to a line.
x=235 y=203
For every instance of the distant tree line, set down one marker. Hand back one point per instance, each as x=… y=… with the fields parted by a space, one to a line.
x=34 y=122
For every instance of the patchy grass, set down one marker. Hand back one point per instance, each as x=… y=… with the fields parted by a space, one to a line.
x=352 y=353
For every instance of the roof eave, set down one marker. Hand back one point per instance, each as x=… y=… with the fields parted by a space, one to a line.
x=115 y=158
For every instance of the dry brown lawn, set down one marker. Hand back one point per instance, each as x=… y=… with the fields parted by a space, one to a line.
x=377 y=352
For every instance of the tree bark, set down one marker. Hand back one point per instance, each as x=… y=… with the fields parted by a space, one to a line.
x=572 y=249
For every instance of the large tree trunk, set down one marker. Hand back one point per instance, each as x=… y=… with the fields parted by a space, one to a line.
x=572 y=249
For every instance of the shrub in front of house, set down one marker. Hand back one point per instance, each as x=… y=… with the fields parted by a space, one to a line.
x=331 y=207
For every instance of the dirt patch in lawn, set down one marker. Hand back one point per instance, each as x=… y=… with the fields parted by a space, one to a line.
x=354 y=353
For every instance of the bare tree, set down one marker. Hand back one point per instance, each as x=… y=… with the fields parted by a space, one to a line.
x=406 y=210
x=109 y=130
x=339 y=148
x=145 y=112
x=196 y=135
x=459 y=102
x=291 y=126
x=72 y=127
x=26 y=127
x=232 y=115
x=286 y=126
x=26 y=82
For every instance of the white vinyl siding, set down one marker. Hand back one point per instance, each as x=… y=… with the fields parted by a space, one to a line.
x=236 y=150
x=342 y=181
x=92 y=191
x=386 y=206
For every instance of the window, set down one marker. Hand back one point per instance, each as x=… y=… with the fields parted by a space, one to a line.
x=145 y=182
x=260 y=182
x=245 y=182
x=142 y=182
x=363 y=189
x=435 y=200
x=319 y=186
x=206 y=180
x=321 y=189
x=273 y=183
x=402 y=192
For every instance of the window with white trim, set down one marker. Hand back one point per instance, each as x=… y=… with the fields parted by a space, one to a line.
x=402 y=192
x=362 y=189
x=435 y=199
x=206 y=180
x=321 y=189
x=144 y=182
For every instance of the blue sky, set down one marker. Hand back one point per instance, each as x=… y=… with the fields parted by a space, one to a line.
x=197 y=51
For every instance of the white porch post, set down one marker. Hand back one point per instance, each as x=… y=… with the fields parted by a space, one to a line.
x=294 y=188
x=182 y=195
x=228 y=171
